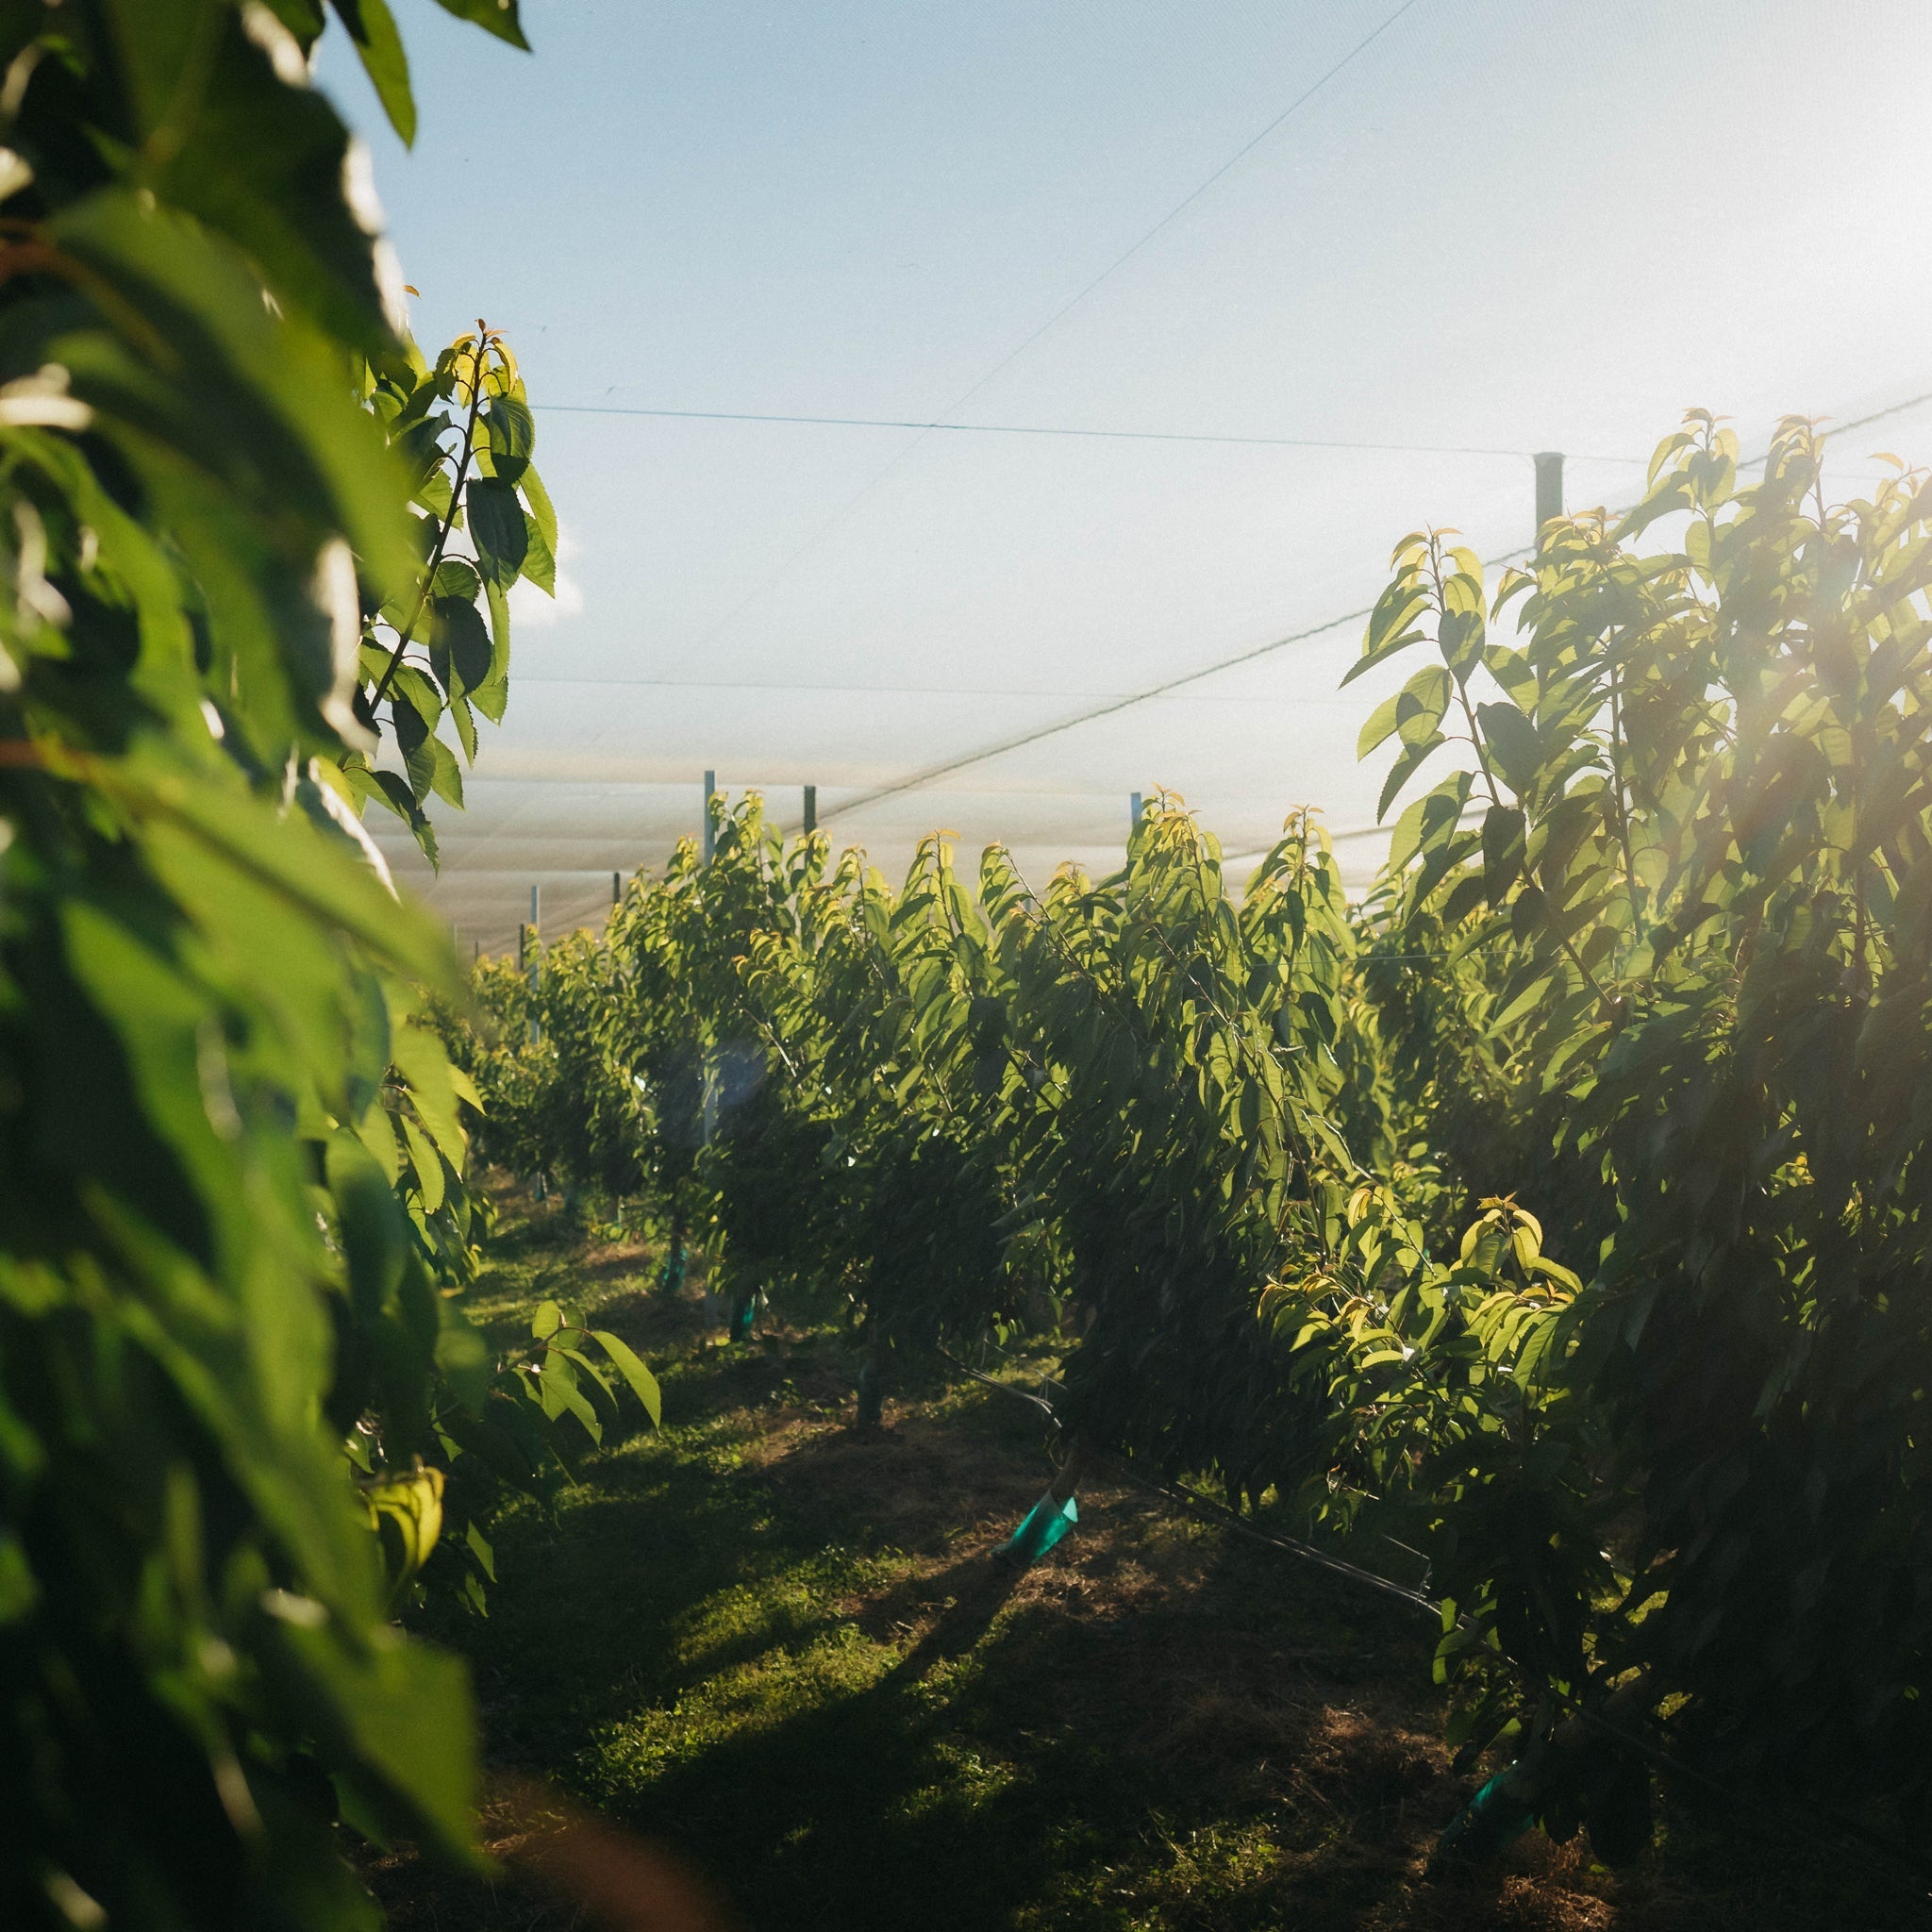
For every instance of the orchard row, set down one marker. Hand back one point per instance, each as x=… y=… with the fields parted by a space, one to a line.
x=1556 y=1218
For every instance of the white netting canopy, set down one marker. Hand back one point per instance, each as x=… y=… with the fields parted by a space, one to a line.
x=1338 y=270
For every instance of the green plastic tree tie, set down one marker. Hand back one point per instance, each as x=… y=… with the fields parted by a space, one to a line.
x=1041 y=1528
x=1494 y=1818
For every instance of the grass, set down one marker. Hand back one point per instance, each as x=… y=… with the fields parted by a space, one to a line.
x=777 y=1648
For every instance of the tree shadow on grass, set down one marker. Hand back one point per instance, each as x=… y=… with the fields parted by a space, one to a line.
x=669 y=1564
x=851 y=1727
x=777 y=1645
x=1012 y=1760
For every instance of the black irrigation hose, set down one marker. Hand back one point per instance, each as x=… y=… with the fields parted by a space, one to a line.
x=1190 y=1500
x=1040 y=1402
x=1206 y=1506
x=1193 y=1501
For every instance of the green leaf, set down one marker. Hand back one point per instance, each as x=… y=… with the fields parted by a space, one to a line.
x=463 y=1358
x=540 y=567
x=1502 y=850
x=436 y=494
x=498 y=528
x=374 y=1230
x=445 y=776
x=511 y=433
x=1428 y=820
x=398 y=1716
x=1391 y=626
x=263 y=167
x=412 y=740
x=420 y=694
x=1531 y=995
x=1405 y=768
x=643 y=1383
x=491 y=696
x=480 y=1548
x=1460 y=634
x=460 y=630
x=251 y=396
x=406 y=1509
x=1514 y=746
x=1464 y=897
x=370 y=27
x=422 y=1060
x=465 y=720
x=427 y=1165
x=539 y=500
x=19 y=1589
x=455 y=577
x=491 y=699
x=1380 y=728
x=303 y=18
x=301 y=869
x=560 y=1395
x=1511 y=669
x=1421 y=704
x=498 y=17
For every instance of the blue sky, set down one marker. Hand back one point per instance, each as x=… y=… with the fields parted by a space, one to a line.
x=1501 y=226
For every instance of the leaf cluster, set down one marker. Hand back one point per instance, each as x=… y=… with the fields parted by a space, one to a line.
x=232 y=1187
x=1682 y=964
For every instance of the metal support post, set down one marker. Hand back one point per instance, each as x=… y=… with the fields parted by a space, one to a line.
x=535 y=957
x=711 y=837
x=1549 y=486
x=811 y=809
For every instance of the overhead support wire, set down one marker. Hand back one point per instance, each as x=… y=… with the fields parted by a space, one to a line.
x=1181 y=207
x=1058 y=315
x=1398 y=449
x=1832 y=428
x=917 y=781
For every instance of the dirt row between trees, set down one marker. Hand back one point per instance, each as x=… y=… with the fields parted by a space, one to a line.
x=776 y=1649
